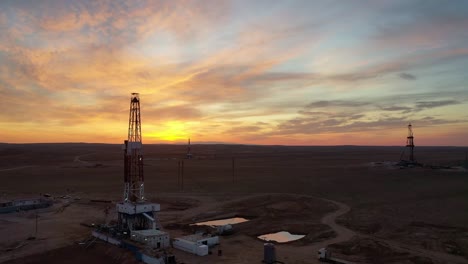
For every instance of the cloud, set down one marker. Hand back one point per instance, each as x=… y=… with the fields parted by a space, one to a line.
x=407 y=76
x=97 y=63
x=181 y=112
x=397 y=108
x=227 y=68
x=241 y=130
x=314 y=113
x=342 y=116
x=420 y=106
x=432 y=104
x=320 y=104
x=299 y=126
x=119 y=21
x=425 y=24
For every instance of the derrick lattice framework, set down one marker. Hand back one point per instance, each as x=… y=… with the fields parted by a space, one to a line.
x=133 y=155
x=134 y=213
x=410 y=143
x=137 y=218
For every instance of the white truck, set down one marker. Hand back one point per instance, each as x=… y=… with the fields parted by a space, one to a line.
x=325 y=255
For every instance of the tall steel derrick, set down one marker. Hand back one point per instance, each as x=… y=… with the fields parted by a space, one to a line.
x=134 y=213
x=133 y=155
x=409 y=144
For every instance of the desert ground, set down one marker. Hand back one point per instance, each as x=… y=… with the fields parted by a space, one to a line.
x=349 y=198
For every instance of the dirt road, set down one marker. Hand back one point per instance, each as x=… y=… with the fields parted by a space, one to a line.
x=17 y=168
x=345 y=234
x=342 y=233
x=441 y=256
x=78 y=159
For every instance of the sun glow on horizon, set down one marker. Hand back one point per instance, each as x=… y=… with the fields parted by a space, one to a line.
x=230 y=72
x=169 y=131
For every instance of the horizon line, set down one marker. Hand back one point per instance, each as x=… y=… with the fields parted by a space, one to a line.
x=229 y=143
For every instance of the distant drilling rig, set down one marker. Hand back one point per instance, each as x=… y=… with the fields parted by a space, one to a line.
x=189 y=151
x=410 y=143
x=409 y=146
x=134 y=213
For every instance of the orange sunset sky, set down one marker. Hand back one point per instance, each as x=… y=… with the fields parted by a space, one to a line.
x=252 y=72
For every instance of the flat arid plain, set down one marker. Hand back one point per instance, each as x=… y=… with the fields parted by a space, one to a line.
x=349 y=198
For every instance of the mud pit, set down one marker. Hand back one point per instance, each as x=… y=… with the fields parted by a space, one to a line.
x=273 y=213
x=267 y=213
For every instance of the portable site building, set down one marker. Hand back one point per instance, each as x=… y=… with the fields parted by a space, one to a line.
x=196 y=244
x=152 y=237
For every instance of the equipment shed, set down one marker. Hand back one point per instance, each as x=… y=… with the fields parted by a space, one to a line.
x=196 y=244
x=152 y=237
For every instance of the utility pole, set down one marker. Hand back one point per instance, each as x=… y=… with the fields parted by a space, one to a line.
x=182 y=174
x=35 y=234
x=178 y=174
x=233 y=169
x=106 y=214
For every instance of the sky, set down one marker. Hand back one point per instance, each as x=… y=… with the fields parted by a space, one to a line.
x=249 y=72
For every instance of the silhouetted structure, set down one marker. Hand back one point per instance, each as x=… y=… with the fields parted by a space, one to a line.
x=134 y=213
x=180 y=174
x=189 y=150
x=410 y=143
x=410 y=147
x=133 y=156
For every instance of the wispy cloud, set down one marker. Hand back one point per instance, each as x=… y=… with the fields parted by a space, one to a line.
x=353 y=116
x=431 y=104
x=397 y=108
x=336 y=103
x=422 y=24
x=229 y=70
x=407 y=76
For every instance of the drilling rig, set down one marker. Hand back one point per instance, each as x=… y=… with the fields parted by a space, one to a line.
x=410 y=143
x=410 y=146
x=189 y=151
x=134 y=212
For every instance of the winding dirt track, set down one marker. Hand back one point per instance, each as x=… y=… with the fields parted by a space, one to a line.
x=342 y=233
x=78 y=159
